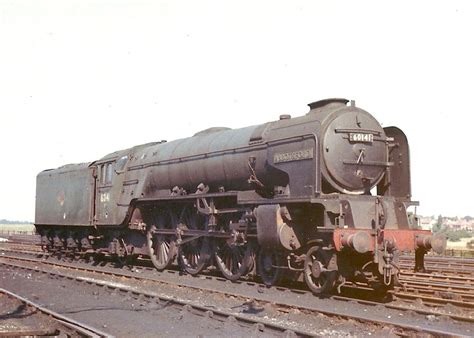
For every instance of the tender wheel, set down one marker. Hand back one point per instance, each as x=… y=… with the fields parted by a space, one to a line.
x=234 y=260
x=317 y=277
x=45 y=240
x=267 y=265
x=193 y=253
x=58 y=243
x=162 y=248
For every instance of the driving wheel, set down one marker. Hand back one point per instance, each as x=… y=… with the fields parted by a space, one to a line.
x=162 y=247
x=268 y=263
x=234 y=260
x=194 y=252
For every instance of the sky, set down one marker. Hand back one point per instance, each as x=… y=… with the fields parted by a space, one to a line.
x=80 y=79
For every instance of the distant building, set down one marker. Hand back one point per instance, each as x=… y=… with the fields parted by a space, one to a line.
x=426 y=223
x=454 y=223
x=459 y=224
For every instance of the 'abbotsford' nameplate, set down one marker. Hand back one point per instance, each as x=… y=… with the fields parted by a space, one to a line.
x=297 y=155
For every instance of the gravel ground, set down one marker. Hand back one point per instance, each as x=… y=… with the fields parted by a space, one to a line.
x=125 y=316
x=18 y=319
x=117 y=314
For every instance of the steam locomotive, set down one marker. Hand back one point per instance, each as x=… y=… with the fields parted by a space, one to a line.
x=320 y=198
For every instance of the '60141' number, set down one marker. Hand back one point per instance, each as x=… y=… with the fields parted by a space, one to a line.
x=361 y=137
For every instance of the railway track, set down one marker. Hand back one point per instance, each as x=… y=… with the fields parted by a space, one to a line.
x=427 y=289
x=252 y=325
x=442 y=265
x=436 y=289
x=269 y=296
x=22 y=239
x=21 y=317
x=32 y=249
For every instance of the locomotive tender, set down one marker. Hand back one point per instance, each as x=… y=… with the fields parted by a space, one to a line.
x=321 y=198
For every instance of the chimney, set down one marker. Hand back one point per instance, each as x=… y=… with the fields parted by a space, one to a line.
x=322 y=103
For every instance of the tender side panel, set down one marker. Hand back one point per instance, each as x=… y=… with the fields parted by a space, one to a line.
x=64 y=196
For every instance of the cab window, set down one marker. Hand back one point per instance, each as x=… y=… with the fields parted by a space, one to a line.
x=120 y=164
x=106 y=173
x=102 y=174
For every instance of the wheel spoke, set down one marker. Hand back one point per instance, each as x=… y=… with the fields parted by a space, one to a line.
x=193 y=255
x=237 y=259
x=315 y=273
x=233 y=261
x=162 y=248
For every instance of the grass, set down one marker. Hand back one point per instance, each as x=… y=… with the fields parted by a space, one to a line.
x=461 y=244
x=16 y=228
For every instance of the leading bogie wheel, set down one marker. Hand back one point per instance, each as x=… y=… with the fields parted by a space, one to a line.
x=319 y=279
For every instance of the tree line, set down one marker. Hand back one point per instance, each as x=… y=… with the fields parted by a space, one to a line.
x=5 y=221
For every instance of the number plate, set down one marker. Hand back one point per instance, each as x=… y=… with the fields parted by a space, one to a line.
x=361 y=137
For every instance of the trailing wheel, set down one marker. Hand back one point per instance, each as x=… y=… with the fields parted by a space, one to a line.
x=316 y=275
x=234 y=260
x=194 y=250
x=122 y=256
x=162 y=247
x=268 y=263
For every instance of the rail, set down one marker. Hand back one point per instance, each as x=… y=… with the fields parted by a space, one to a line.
x=66 y=326
x=285 y=297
